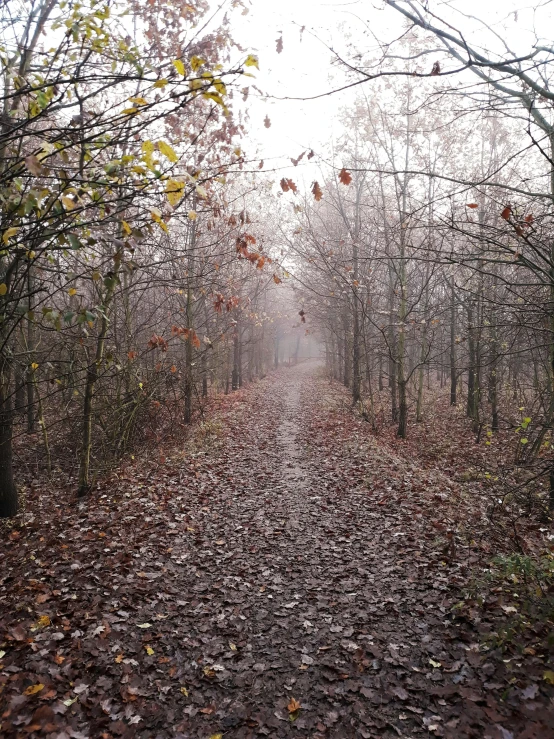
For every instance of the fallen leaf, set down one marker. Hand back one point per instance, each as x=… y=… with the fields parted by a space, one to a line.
x=293 y=706
x=33 y=689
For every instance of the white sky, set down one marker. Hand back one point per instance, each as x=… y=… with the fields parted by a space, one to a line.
x=304 y=67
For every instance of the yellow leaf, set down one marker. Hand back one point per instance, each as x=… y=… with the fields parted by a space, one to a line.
x=156 y=216
x=96 y=276
x=215 y=97
x=68 y=202
x=119 y=659
x=34 y=366
x=162 y=82
x=167 y=151
x=251 y=61
x=149 y=650
x=232 y=647
x=201 y=192
x=549 y=677
x=216 y=736
x=3 y=288
x=33 y=689
x=196 y=84
x=147 y=147
x=8 y=233
x=175 y=189
x=126 y=227
x=184 y=691
x=192 y=215
x=43 y=621
x=129 y=111
x=72 y=291
x=434 y=664
x=138 y=101
x=179 y=66
x=196 y=62
x=220 y=87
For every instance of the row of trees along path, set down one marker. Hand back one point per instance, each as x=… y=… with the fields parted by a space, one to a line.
x=205 y=531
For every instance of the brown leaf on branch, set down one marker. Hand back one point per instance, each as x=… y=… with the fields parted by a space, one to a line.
x=506 y=213
x=299 y=159
x=267 y=122
x=316 y=191
x=302 y=316
x=436 y=69
x=287 y=185
x=311 y=154
x=279 y=46
x=472 y=205
x=345 y=177
x=276 y=280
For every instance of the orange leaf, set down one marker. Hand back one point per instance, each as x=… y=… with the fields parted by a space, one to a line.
x=276 y=279
x=293 y=706
x=173 y=368
x=472 y=205
x=316 y=191
x=345 y=177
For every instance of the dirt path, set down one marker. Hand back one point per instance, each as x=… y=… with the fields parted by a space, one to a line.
x=287 y=562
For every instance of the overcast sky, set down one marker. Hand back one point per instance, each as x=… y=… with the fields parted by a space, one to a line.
x=305 y=68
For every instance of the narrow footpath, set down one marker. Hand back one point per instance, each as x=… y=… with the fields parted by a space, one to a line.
x=280 y=578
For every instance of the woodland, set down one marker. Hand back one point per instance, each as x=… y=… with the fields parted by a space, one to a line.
x=276 y=435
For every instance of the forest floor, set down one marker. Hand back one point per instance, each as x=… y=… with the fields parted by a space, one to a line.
x=282 y=573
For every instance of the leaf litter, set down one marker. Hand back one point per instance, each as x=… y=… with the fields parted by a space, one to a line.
x=283 y=580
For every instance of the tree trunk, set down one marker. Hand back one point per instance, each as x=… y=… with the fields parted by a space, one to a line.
x=235 y=376
x=453 y=376
x=8 y=491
